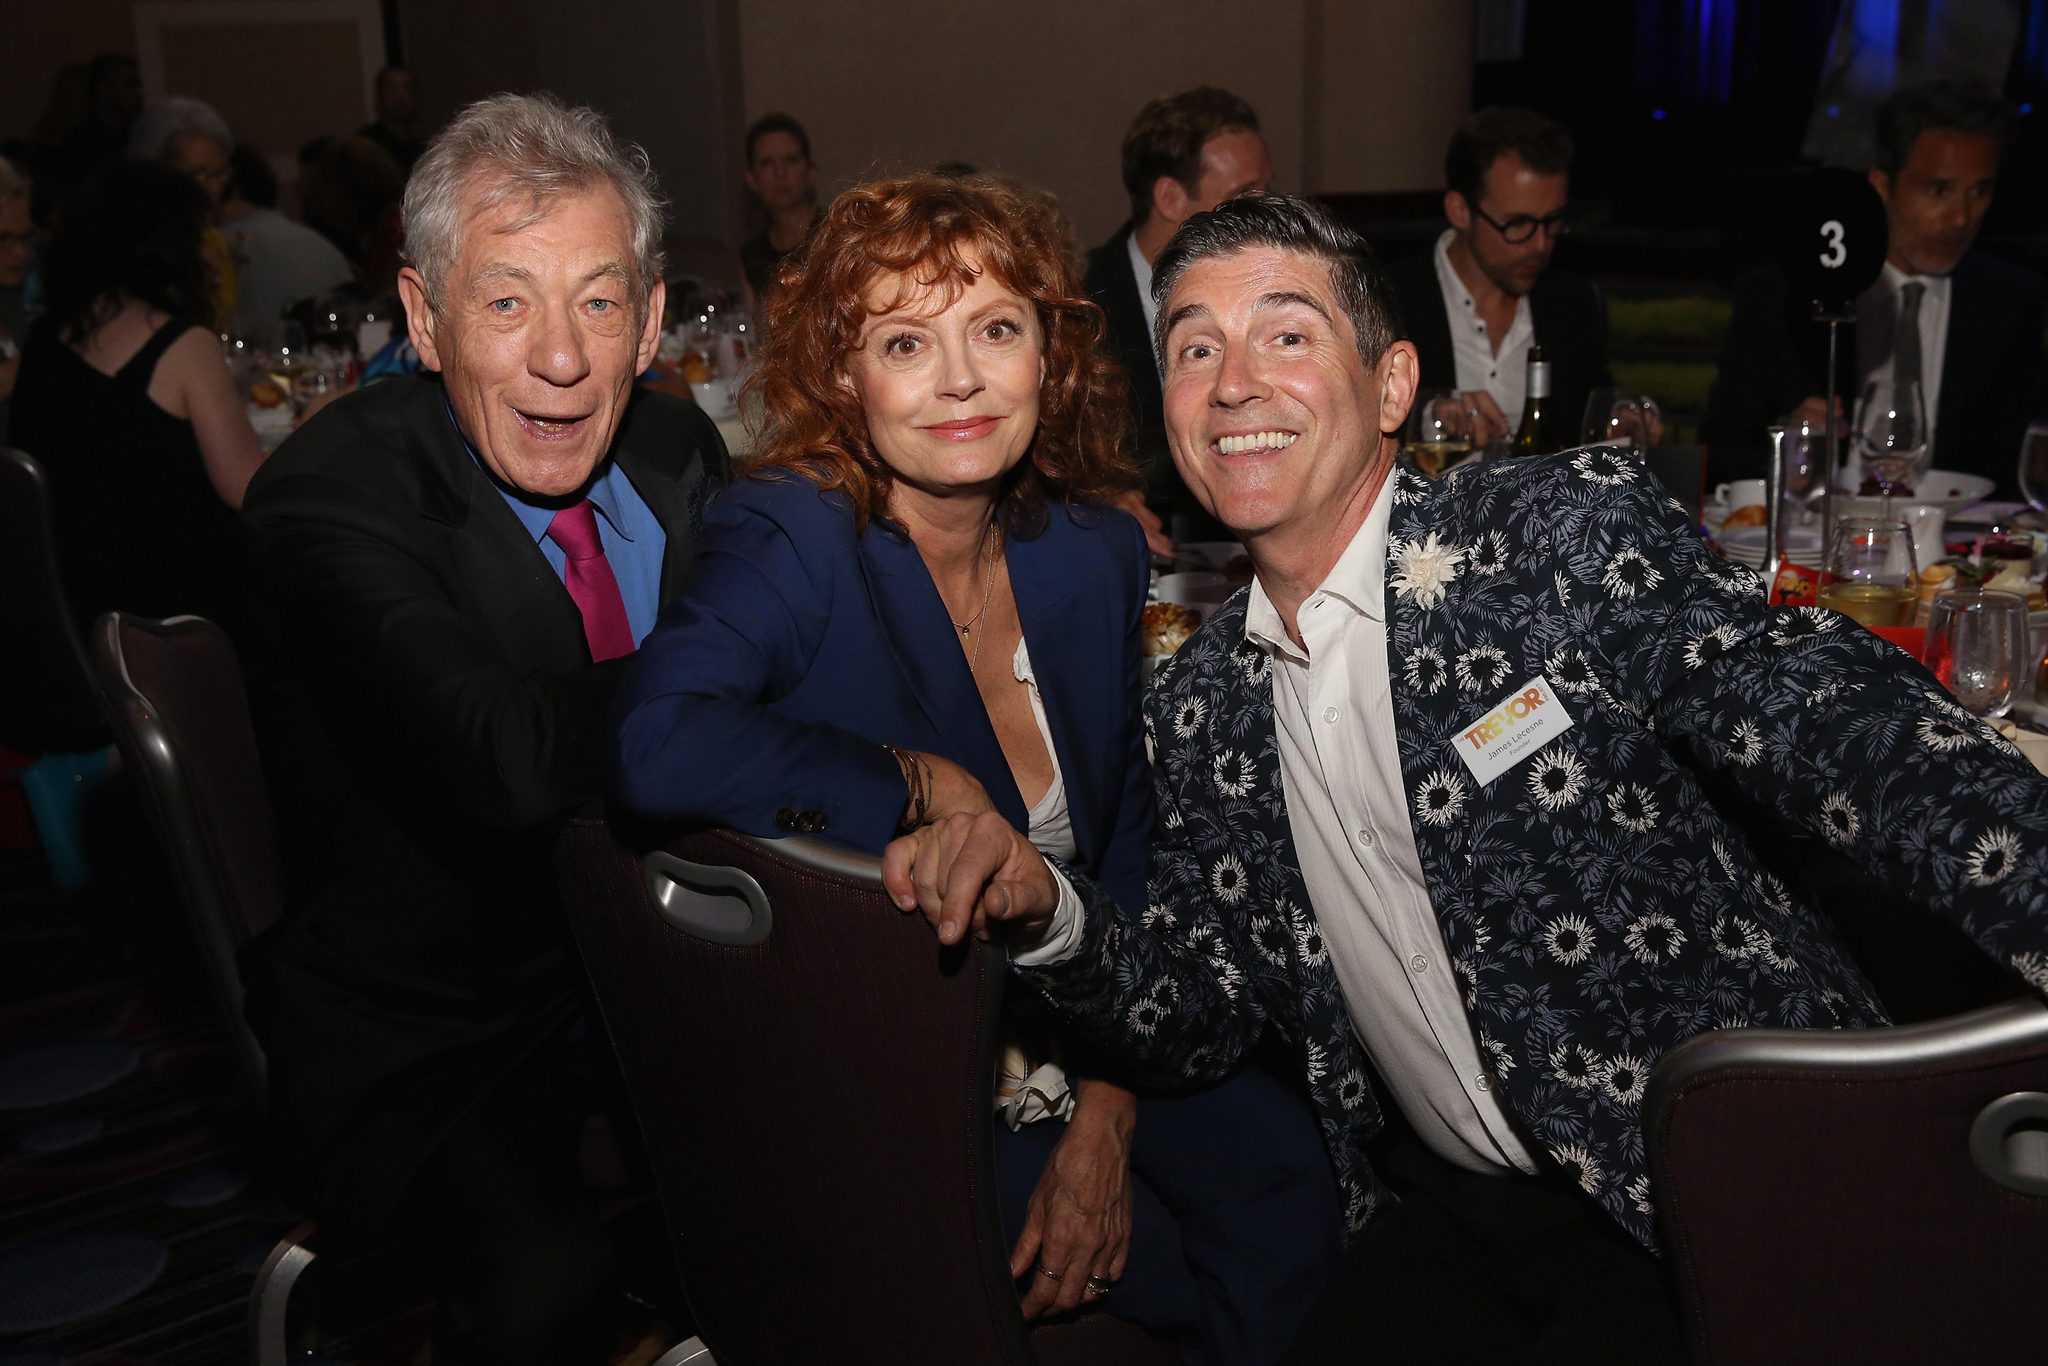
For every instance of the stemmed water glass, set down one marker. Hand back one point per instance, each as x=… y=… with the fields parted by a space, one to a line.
x=1977 y=647
x=2033 y=470
x=1615 y=417
x=1892 y=438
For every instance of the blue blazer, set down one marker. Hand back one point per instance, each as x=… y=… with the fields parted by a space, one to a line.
x=801 y=647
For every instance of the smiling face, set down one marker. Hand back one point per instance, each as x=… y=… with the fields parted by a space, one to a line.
x=539 y=334
x=950 y=391
x=1274 y=418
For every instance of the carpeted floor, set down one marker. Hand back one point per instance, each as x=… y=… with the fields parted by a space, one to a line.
x=132 y=1214
x=129 y=1230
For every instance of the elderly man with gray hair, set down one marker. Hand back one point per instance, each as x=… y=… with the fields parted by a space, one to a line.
x=456 y=563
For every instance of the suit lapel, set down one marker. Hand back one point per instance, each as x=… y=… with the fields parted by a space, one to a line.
x=656 y=468
x=1042 y=579
x=919 y=632
x=497 y=570
x=1126 y=311
x=1422 y=650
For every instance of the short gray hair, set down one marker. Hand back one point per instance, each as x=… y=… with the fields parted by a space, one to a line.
x=532 y=146
x=163 y=119
x=1291 y=224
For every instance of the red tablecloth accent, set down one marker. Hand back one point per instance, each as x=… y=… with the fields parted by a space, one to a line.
x=1911 y=639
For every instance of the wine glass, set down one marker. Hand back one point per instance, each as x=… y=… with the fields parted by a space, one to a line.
x=1439 y=430
x=1615 y=417
x=1892 y=437
x=1804 y=470
x=2034 y=466
x=1977 y=647
x=1868 y=574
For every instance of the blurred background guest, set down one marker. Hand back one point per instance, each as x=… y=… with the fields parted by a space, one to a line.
x=187 y=135
x=86 y=128
x=783 y=177
x=1966 y=324
x=16 y=238
x=397 y=109
x=349 y=193
x=277 y=262
x=123 y=398
x=1182 y=155
x=1487 y=292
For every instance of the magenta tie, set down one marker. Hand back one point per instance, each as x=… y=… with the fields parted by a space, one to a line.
x=588 y=577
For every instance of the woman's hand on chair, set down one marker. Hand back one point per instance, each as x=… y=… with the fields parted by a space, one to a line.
x=969 y=872
x=1078 y=1231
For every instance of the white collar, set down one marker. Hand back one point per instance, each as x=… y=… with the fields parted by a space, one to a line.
x=1359 y=578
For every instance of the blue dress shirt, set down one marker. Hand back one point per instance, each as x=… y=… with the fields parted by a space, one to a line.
x=634 y=542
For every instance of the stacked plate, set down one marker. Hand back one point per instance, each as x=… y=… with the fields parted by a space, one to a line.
x=1746 y=544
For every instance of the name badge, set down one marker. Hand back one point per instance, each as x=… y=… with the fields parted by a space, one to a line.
x=1523 y=723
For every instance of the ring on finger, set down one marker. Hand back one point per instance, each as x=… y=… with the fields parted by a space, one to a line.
x=1049 y=1275
x=1097 y=1285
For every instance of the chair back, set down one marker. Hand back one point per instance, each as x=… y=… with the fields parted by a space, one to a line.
x=181 y=719
x=813 y=1075
x=47 y=703
x=1874 y=1195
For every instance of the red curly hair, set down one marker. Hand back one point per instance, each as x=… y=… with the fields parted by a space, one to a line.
x=937 y=232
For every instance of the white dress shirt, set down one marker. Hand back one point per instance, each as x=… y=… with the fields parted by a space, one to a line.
x=1877 y=313
x=1503 y=370
x=1347 y=808
x=1141 y=271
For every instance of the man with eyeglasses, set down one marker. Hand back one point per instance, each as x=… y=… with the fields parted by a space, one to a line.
x=1477 y=303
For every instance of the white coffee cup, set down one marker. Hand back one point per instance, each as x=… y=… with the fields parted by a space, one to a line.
x=1739 y=493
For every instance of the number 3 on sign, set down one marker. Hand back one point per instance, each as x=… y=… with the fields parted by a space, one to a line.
x=1838 y=250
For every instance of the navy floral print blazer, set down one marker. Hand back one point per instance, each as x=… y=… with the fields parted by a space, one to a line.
x=1598 y=907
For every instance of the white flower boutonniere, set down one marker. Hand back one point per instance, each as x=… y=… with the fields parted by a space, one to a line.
x=1423 y=569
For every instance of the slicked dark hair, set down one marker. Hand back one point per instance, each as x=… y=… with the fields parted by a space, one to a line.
x=776 y=123
x=1486 y=135
x=1291 y=224
x=1167 y=138
x=1963 y=106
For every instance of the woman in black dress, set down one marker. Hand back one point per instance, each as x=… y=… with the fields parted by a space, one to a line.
x=124 y=401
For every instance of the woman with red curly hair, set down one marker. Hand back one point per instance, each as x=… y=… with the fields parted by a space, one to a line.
x=917 y=600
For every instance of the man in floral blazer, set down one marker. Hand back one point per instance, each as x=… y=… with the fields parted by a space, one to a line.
x=1432 y=811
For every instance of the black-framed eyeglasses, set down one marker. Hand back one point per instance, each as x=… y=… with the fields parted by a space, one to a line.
x=1521 y=227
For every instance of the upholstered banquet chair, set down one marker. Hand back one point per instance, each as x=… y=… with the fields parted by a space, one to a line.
x=1877 y=1195
x=813 y=1077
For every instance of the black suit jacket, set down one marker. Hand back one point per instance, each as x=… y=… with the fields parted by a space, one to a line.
x=1111 y=285
x=445 y=715
x=1775 y=357
x=1570 y=317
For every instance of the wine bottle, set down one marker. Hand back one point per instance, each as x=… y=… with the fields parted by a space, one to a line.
x=1534 y=438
